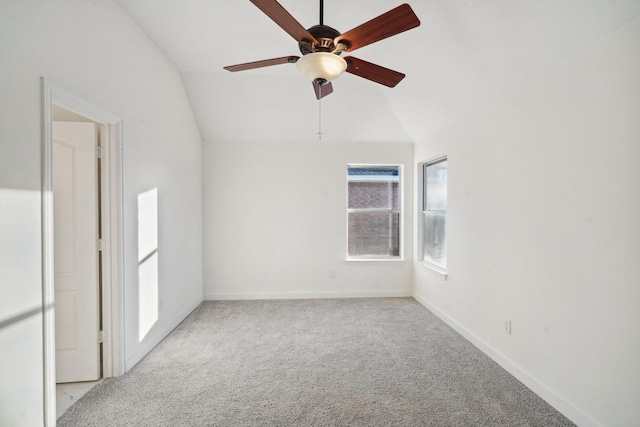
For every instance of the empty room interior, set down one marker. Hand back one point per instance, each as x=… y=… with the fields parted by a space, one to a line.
x=472 y=168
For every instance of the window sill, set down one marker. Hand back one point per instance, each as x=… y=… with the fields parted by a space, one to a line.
x=376 y=261
x=438 y=270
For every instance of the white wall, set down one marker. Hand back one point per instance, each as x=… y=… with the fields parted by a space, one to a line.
x=543 y=228
x=275 y=221
x=92 y=49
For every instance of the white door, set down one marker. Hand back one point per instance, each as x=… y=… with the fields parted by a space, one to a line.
x=75 y=213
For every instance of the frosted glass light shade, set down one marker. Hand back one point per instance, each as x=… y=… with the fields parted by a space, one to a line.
x=321 y=65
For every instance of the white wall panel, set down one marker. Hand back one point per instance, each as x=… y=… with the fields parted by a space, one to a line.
x=544 y=205
x=96 y=51
x=275 y=221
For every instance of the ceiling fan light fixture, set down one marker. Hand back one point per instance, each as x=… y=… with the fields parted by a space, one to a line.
x=321 y=67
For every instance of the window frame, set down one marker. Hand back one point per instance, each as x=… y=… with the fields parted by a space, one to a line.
x=422 y=166
x=386 y=259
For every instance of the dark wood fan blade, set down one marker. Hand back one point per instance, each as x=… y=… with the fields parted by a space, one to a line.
x=280 y=16
x=322 y=91
x=393 y=22
x=373 y=72
x=263 y=63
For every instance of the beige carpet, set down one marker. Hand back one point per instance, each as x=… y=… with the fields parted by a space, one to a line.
x=349 y=362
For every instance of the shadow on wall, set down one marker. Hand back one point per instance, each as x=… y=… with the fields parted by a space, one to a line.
x=148 y=299
x=17 y=318
x=17 y=228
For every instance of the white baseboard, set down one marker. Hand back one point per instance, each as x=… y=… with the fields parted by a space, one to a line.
x=159 y=334
x=306 y=295
x=524 y=377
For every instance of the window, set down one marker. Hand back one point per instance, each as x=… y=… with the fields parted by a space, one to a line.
x=374 y=214
x=434 y=213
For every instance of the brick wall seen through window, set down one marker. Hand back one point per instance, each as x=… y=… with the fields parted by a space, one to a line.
x=374 y=211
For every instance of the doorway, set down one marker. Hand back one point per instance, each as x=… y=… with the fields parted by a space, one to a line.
x=104 y=217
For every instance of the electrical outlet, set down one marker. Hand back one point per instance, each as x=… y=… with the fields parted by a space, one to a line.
x=507 y=326
x=332 y=274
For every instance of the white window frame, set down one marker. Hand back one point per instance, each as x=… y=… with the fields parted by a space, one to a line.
x=382 y=258
x=420 y=215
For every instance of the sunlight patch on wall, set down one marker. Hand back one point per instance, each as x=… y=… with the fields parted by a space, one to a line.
x=148 y=298
x=20 y=222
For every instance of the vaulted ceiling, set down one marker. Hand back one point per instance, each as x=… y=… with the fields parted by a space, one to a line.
x=464 y=54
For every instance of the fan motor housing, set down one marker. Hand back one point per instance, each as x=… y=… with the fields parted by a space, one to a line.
x=324 y=35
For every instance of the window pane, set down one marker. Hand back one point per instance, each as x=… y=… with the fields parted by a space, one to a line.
x=435 y=187
x=434 y=242
x=369 y=171
x=374 y=234
x=374 y=195
x=374 y=204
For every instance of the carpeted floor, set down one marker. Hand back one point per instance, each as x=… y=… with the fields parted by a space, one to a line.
x=341 y=362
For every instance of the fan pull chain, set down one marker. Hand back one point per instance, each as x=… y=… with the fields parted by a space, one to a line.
x=320 y=114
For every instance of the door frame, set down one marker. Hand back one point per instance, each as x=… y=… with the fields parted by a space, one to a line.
x=112 y=232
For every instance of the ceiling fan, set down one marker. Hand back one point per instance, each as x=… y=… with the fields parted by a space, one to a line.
x=321 y=46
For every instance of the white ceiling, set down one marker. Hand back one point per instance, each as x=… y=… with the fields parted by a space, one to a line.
x=464 y=54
